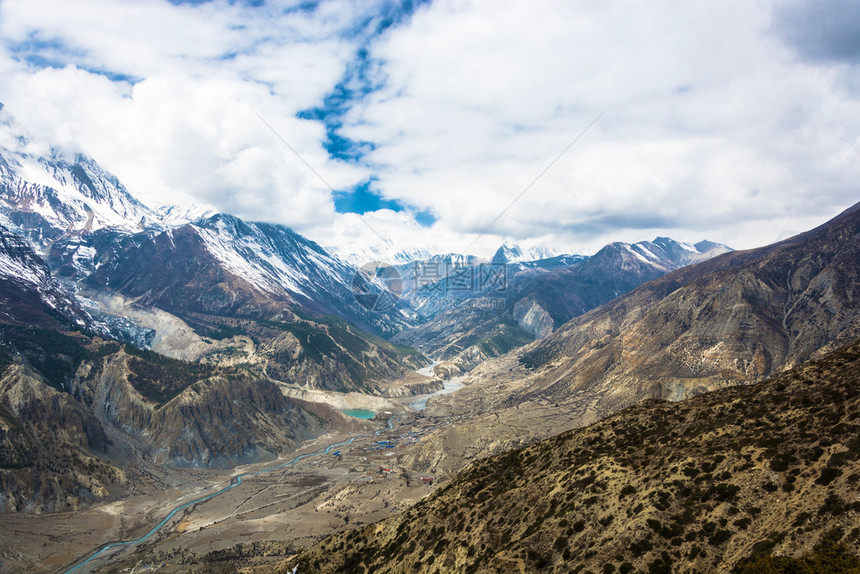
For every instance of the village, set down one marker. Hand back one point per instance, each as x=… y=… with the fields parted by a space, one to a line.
x=378 y=460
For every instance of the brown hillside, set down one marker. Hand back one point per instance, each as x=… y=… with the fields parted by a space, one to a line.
x=739 y=317
x=697 y=486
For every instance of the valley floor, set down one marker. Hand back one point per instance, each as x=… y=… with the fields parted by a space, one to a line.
x=381 y=472
x=386 y=468
x=295 y=505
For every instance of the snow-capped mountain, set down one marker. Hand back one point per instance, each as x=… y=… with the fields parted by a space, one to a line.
x=51 y=195
x=176 y=215
x=668 y=254
x=189 y=284
x=90 y=229
x=276 y=260
x=470 y=318
x=517 y=254
x=386 y=252
x=28 y=293
x=663 y=251
x=223 y=265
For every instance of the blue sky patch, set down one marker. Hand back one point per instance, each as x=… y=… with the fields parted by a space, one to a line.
x=42 y=52
x=252 y=3
x=361 y=199
x=112 y=76
x=360 y=78
x=425 y=218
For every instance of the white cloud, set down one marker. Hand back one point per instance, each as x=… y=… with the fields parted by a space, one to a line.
x=714 y=126
x=188 y=129
x=710 y=122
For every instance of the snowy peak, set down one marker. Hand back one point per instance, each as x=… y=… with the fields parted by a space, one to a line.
x=178 y=215
x=223 y=265
x=453 y=259
x=516 y=254
x=50 y=194
x=272 y=257
x=663 y=253
x=680 y=253
x=19 y=263
x=710 y=249
x=385 y=252
x=508 y=254
x=61 y=195
x=276 y=260
x=66 y=196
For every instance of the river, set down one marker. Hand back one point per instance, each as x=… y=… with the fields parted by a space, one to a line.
x=448 y=387
x=234 y=482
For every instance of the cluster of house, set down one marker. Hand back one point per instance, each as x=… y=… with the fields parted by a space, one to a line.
x=391 y=443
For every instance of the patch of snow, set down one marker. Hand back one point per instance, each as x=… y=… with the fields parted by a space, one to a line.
x=648 y=253
x=16 y=270
x=638 y=255
x=687 y=247
x=386 y=252
x=179 y=215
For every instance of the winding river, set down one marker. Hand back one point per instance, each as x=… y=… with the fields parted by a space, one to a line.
x=447 y=387
x=234 y=482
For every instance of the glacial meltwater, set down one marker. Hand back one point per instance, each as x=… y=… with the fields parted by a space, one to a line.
x=448 y=387
x=360 y=413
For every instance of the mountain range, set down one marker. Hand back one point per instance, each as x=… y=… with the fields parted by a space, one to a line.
x=692 y=449
x=703 y=398
x=235 y=311
x=528 y=300
x=758 y=475
x=738 y=317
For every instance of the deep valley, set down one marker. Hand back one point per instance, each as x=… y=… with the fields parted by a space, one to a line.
x=185 y=391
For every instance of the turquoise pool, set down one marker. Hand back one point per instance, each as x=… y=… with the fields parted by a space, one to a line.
x=360 y=413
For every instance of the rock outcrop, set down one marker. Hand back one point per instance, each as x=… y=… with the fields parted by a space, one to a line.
x=533 y=318
x=52 y=450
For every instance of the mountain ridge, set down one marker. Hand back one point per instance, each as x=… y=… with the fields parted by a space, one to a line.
x=535 y=298
x=753 y=299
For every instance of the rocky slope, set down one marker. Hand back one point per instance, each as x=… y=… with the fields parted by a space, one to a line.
x=731 y=479
x=738 y=317
x=29 y=295
x=52 y=448
x=182 y=414
x=52 y=451
x=74 y=409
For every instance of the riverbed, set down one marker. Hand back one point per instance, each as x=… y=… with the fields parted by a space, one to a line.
x=448 y=387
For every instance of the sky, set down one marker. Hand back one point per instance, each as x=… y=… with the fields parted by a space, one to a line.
x=456 y=125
